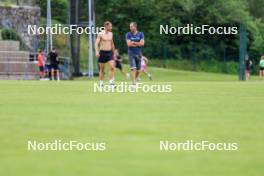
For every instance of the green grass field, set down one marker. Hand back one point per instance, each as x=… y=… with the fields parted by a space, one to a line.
x=202 y=106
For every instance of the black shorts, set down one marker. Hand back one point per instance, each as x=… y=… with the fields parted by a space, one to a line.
x=48 y=68
x=55 y=66
x=105 y=56
x=261 y=68
x=41 y=68
x=118 y=65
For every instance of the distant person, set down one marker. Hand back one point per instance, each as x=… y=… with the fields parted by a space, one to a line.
x=143 y=67
x=47 y=68
x=119 y=64
x=248 y=64
x=104 y=47
x=135 y=41
x=261 y=67
x=54 y=62
x=41 y=64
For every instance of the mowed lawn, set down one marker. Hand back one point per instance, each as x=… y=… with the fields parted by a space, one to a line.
x=202 y=106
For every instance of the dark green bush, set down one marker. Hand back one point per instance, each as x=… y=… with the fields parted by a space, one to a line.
x=10 y=34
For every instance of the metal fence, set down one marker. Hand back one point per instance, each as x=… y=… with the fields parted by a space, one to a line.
x=196 y=57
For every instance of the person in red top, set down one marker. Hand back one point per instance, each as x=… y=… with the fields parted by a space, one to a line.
x=41 y=64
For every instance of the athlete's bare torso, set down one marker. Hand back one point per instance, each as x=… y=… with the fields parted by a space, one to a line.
x=106 y=40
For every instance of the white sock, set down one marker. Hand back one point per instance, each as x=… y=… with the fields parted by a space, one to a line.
x=101 y=82
x=111 y=81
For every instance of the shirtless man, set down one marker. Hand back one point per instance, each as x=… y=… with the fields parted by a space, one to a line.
x=104 y=46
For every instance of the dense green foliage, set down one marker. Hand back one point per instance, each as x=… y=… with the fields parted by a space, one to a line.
x=59 y=9
x=150 y=14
